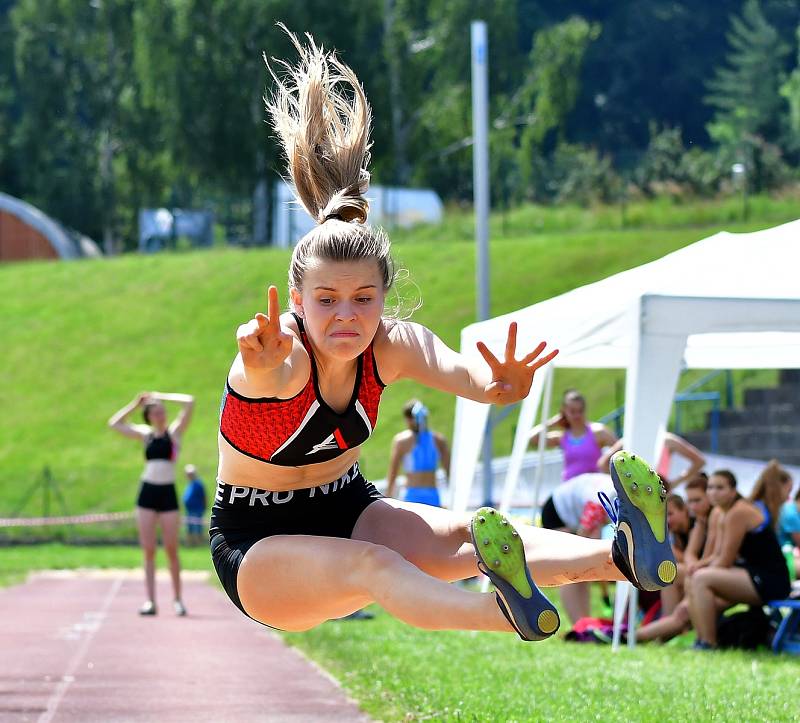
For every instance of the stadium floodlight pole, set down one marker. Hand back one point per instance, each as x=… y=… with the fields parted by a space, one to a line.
x=480 y=183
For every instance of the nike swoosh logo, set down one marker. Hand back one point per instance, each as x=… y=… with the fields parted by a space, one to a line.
x=625 y=529
x=512 y=620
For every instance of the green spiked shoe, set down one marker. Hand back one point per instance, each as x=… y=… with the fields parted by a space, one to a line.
x=501 y=557
x=641 y=548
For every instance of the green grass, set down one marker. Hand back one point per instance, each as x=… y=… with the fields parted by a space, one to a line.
x=398 y=673
x=81 y=339
x=17 y=561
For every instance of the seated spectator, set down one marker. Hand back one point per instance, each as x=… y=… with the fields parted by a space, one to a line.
x=747 y=565
x=574 y=507
x=581 y=441
x=672 y=445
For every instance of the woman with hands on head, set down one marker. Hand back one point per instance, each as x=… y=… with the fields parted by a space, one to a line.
x=157 y=502
x=298 y=535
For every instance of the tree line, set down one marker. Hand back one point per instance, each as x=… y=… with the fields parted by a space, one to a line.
x=107 y=106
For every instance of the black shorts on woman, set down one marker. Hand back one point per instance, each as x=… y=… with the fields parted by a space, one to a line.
x=241 y=516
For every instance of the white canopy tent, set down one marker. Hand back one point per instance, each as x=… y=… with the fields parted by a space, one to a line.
x=729 y=301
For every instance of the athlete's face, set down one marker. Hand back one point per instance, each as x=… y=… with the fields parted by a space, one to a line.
x=157 y=416
x=697 y=502
x=677 y=518
x=720 y=492
x=574 y=412
x=341 y=304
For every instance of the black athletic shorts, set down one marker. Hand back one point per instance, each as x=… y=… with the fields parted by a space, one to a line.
x=241 y=516
x=158 y=497
x=550 y=518
x=770 y=584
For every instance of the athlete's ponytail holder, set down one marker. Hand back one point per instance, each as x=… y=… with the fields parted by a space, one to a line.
x=420 y=413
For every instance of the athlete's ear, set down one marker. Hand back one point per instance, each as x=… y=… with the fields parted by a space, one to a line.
x=297 y=301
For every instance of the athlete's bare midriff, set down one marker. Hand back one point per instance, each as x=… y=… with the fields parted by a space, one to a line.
x=420 y=479
x=236 y=468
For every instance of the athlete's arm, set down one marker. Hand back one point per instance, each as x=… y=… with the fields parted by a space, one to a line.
x=179 y=426
x=733 y=532
x=689 y=452
x=603 y=435
x=119 y=420
x=444 y=453
x=712 y=541
x=696 y=536
x=271 y=361
x=604 y=463
x=394 y=465
x=412 y=351
x=553 y=438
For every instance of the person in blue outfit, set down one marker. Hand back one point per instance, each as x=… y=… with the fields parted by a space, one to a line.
x=194 y=502
x=422 y=452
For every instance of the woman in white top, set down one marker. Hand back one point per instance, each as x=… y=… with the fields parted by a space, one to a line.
x=157 y=502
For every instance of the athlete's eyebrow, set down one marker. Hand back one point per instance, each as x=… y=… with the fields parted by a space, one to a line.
x=328 y=288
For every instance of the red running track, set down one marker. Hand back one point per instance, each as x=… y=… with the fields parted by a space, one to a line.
x=72 y=648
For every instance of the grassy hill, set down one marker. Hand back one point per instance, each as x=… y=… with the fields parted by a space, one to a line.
x=80 y=339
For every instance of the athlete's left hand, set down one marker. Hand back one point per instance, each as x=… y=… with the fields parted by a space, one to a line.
x=512 y=378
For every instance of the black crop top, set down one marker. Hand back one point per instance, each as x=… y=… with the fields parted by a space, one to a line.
x=159 y=447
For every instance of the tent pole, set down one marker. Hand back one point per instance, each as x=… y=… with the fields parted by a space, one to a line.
x=548 y=393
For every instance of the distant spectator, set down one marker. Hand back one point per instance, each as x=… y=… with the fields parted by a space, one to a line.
x=672 y=445
x=157 y=501
x=194 y=502
x=747 y=565
x=581 y=441
x=422 y=452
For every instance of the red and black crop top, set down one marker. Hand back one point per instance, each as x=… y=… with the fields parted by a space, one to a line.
x=304 y=429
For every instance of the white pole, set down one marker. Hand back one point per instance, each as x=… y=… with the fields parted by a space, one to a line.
x=480 y=160
x=480 y=182
x=548 y=393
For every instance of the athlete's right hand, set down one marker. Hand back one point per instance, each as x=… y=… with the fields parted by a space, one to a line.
x=262 y=342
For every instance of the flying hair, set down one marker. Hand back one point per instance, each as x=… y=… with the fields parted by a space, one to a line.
x=322 y=117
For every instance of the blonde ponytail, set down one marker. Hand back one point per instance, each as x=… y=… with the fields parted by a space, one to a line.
x=322 y=118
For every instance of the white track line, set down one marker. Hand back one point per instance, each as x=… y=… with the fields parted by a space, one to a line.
x=68 y=677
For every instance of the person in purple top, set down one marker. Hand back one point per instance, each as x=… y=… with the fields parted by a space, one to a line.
x=582 y=441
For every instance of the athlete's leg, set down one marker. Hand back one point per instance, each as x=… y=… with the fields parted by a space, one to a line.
x=710 y=583
x=295 y=582
x=438 y=541
x=146 y=523
x=170 y=526
x=667 y=626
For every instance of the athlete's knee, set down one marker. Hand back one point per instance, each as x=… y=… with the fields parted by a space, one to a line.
x=371 y=561
x=149 y=552
x=702 y=578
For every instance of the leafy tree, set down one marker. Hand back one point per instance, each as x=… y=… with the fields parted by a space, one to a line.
x=550 y=88
x=790 y=90
x=745 y=92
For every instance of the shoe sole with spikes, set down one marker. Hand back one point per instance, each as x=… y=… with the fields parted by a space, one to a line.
x=641 y=548
x=501 y=557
